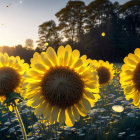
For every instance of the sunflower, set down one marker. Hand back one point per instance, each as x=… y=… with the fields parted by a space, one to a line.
x=61 y=86
x=105 y=71
x=130 y=77
x=11 y=75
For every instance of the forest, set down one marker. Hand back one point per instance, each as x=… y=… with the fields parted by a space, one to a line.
x=101 y=30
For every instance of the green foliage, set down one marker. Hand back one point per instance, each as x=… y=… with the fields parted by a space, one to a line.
x=18 y=50
x=98 y=12
x=48 y=33
x=71 y=20
x=130 y=5
x=11 y=97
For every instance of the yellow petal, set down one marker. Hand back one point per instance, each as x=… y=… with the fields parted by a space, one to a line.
x=89 y=95
x=46 y=61
x=75 y=113
x=36 y=55
x=101 y=62
x=68 y=49
x=52 y=55
x=39 y=110
x=126 y=66
x=81 y=69
x=60 y=53
x=82 y=110
x=66 y=58
x=47 y=111
x=54 y=114
x=40 y=67
x=32 y=95
x=11 y=61
x=83 y=57
x=74 y=57
x=6 y=57
x=129 y=89
x=137 y=52
x=69 y=118
x=68 y=52
x=129 y=61
x=89 y=85
x=136 y=99
x=62 y=116
x=86 y=103
x=37 y=102
x=76 y=54
x=134 y=57
x=32 y=72
x=78 y=63
x=2 y=60
x=34 y=85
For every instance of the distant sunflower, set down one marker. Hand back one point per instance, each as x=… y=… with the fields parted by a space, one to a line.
x=11 y=75
x=105 y=71
x=130 y=77
x=61 y=86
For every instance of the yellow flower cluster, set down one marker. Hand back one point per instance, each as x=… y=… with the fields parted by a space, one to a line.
x=62 y=85
x=130 y=77
x=12 y=71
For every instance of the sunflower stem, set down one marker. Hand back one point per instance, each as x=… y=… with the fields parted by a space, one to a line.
x=20 y=122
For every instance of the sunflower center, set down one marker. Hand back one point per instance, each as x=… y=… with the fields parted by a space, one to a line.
x=136 y=77
x=62 y=87
x=9 y=80
x=104 y=75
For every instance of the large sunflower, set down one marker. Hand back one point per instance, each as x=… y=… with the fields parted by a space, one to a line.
x=105 y=71
x=61 y=86
x=12 y=70
x=130 y=77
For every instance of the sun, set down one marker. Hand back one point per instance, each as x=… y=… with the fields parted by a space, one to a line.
x=61 y=86
x=130 y=77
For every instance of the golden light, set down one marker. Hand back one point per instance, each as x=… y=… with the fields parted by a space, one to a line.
x=118 y=108
x=103 y=34
x=46 y=44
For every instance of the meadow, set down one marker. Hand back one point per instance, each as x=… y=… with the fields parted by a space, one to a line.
x=101 y=124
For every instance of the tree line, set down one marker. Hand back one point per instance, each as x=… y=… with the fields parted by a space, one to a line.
x=82 y=25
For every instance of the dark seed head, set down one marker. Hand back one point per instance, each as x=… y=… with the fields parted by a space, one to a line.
x=9 y=80
x=62 y=87
x=104 y=75
x=136 y=77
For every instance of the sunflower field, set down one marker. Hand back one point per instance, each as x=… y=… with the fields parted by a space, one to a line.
x=63 y=95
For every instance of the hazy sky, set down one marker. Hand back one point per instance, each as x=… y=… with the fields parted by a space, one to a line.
x=19 y=19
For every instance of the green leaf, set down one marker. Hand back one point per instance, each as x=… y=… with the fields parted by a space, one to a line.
x=11 y=97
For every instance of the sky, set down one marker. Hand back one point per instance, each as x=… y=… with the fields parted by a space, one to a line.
x=19 y=19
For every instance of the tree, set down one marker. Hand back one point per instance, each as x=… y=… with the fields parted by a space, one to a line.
x=48 y=32
x=29 y=44
x=130 y=12
x=97 y=12
x=71 y=20
x=81 y=27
